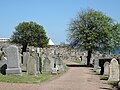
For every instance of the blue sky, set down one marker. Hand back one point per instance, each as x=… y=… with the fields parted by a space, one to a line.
x=53 y=15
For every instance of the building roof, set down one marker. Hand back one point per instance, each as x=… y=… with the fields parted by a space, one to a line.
x=4 y=39
x=50 y=42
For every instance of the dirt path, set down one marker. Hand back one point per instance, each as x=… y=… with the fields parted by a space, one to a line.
x=77 y=78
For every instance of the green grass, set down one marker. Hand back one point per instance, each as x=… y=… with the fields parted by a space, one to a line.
x=102 y=77
x=25 y=78
x=30 y=79
x=113 y=83
x=97 y=73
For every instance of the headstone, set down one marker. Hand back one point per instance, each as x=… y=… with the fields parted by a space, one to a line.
x=37 y=63
x=106 y=68
x=54 y=71
x=26 y=56
x=114 y=70
x=60 y=64
x=97 y=68
x=13 y=61
x=46 y=66
x=31 y=66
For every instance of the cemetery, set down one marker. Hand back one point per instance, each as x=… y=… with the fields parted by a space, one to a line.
x=37 y=63
x=51 y=60
x=89 y=58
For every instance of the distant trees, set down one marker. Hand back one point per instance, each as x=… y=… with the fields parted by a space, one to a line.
x=93 y=30
x=30 y=33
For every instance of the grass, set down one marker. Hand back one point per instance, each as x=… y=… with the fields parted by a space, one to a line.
x=103 y=77
x=113 y=83
x=97 y=73
x=30 y=79
x=25 y=78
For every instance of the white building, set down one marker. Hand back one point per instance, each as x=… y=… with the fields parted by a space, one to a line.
x=50 y=42
x=4 y=39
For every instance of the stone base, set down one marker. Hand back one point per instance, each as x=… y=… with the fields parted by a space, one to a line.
x=113 y=79
x=54 y=71
x=13 y=71
x=24 y=69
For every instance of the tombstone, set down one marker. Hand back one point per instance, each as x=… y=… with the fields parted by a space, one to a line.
x=114 y=70
x=97 y=68
x=31 y=66
x=106 y=69
x=37 y=63
x=60 y=64
x=26 y=56
x=84 y=59
x=13 y=61
x=54 y=71
x=46 y=66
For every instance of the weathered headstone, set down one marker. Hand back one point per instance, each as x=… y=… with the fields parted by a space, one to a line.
x=31 y=66
x=96 y=64
x=114 y=70
x=37 y=63
x=26 y=56
x=13 y=61
x=60 y=65
x=106 y=68
x=46 y=66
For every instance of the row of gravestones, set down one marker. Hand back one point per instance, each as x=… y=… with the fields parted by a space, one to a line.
x=48 y=63
x=52 y=62
x=110 y=69
x=67 y=54
x=30 y=62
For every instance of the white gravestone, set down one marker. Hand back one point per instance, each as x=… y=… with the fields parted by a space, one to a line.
x=106 y=68
x=114 y=70
x=13 y=61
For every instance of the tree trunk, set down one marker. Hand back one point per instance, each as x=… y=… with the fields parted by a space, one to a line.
x=24 y=48
x=88 y=57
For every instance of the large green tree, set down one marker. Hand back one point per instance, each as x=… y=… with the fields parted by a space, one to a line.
x=91 y=30
x=30 y=33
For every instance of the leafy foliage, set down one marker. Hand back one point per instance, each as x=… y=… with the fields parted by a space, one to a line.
x=30 y=33
x=91 y=30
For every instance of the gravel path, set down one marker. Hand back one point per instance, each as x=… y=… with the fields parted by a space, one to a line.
x=77 y=78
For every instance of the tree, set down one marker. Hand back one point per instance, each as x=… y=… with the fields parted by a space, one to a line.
x=30 y=33
x=91 y=30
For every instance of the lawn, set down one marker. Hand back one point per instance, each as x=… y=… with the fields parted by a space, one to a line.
x=25 y=78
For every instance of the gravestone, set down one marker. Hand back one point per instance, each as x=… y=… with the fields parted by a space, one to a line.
x=60 y=65
x=46 y=66
x=54 y=71
x=31 y=66
x=114 y=70
x=13 y=61
x=106 y=68
x=26 y=56
x=37 y=62
x=97 y=68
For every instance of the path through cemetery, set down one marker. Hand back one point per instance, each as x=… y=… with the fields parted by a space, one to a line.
x=76 y=78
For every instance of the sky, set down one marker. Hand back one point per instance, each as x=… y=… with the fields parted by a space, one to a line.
x=53 y=15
